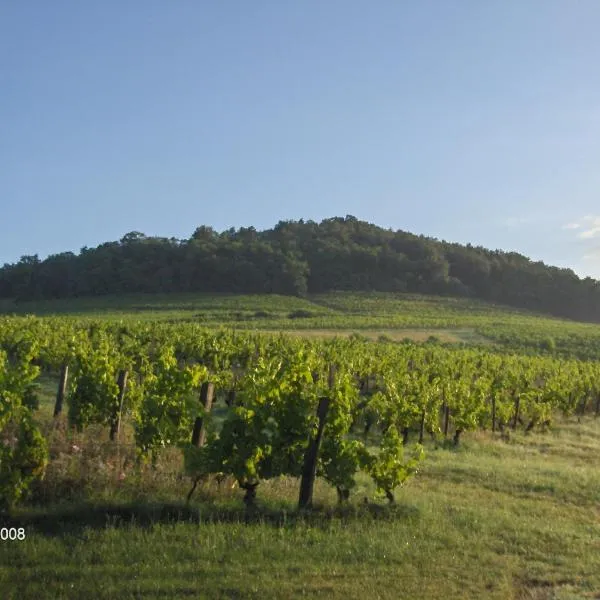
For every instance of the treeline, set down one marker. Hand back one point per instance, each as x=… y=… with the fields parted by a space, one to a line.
x=300 y=257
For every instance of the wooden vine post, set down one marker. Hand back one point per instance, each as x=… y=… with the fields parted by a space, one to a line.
x=115 y=426
x=206 y=397
x=231 y=395
x=446 y=419
x=207 y=392
x=62 y=389
x=309 y=470
x=583 y=405
x=516 y=413
x=422 y=427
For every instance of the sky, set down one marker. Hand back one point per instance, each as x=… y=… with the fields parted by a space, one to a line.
x=466 y=120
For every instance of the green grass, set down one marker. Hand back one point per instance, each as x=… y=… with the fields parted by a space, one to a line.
x=491 y=519
x=394 y=303
x=197 y=307
x=336 y=308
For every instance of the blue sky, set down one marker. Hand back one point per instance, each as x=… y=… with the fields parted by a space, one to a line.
x=467 y=120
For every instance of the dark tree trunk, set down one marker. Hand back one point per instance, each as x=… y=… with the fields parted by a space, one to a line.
x=342 y=494
x=189 y=496
x=231 y=398
x=250 y=495
x=457 y=436
x=422 y=428
x=368 y=425
x=446 y=419
x=516 y=415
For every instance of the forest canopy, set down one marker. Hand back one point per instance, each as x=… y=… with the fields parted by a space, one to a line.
x=303 y=257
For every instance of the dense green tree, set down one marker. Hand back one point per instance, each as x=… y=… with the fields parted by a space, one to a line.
x=299 y=257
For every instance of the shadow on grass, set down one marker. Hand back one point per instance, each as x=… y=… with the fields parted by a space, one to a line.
x=73 y=519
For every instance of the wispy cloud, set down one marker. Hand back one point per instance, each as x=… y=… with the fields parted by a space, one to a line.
x=586 y=234
x=590 y=233
x=589 y=227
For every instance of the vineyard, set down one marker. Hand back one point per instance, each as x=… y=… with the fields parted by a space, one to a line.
x=230 y=416
x=394 y=317
x=294 y=407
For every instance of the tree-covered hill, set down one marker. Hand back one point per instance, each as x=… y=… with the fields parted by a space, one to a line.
x=299 y=257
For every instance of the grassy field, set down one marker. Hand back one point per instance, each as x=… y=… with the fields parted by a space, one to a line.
x=195 y=307
x=491 y=519
x=334 y=310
